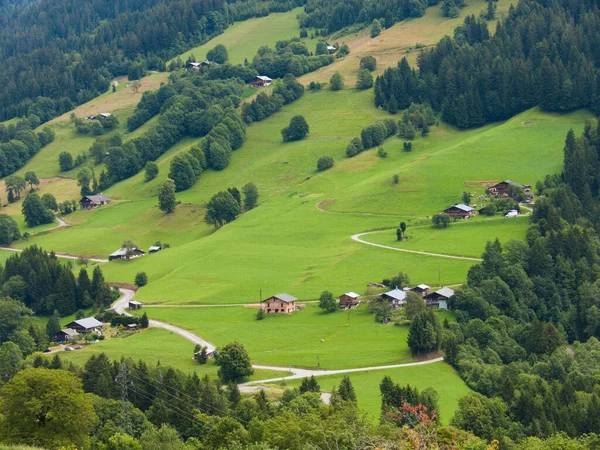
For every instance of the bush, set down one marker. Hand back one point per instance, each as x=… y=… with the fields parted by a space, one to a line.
x=369 y=63
x=298 y=129
x=324 y=163
x=381 y=152
x=336 y=82
x=440 y=220
x=141 y=279
x=151 y=169
x=260 y=315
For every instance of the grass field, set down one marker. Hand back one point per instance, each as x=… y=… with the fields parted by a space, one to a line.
x=295 y=339
x=441 y=376
x=155 y=346
x=243 y=39
x=463 y=238
x=232 y=264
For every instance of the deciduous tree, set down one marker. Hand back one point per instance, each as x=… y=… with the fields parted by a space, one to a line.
x=250 y=192
x=234 y=362
x=327 y=302
x=166 y=196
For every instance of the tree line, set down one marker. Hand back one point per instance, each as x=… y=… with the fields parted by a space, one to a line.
x=18 y=144
x=474 y=78
x=331 y=16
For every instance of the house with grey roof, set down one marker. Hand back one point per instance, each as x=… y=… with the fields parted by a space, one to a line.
x=125 y=253
x=65 y=334
x=261 y=81
x=396 y=298
x=93 y=201
x=439 y=299
x=421 y=289
x=460 y=211
x=280 y=303
x=87 y=325
x=349 y=300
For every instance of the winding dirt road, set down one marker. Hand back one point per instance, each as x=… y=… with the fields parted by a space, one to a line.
x=357 y=238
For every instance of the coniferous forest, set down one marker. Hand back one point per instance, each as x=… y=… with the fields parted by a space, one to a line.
x=57 y=54
x=544 y=53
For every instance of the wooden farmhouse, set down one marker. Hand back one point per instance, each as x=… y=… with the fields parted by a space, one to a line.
x=502 y=189
x=65 y=335
x=460 y=211
x=87 y=325
x=421 y=290
x=439 y=299
x=280 y=303
x=396 y=298
x=93 y=201
x=261 y=81
x=349 y=300
x=123 y=254
x=192 y=65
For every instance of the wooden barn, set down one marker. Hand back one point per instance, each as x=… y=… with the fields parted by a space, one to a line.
x=280 y=303
x=261 y=81
x=459 y=211
x=349 y=300
x=123 y=254
x=87 y=325
x=66 y=334
x=421 y=289
x=396 y=297
x=439 y=299
x=93 y=201
x=503 y=188
x=135 y=305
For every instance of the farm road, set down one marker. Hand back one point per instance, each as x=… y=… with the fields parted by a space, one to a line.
x=58 y=255
x=357 y=238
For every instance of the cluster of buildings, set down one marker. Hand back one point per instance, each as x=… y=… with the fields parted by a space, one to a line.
x=131 y=253
x=104 y=115
x=285 y=303
x=257 y=82
x=503 y=189
x=77 y=328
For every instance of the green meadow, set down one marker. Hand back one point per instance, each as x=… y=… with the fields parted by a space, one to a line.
x=308 y=338
x=154 y=346
x=441 y=376
x=461 y=238
x=243 y=39
x=232 y=264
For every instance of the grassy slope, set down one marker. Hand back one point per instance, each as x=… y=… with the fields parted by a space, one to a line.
x=296 y=338
x=259 y=243
x=463 y=238
x=441 y=376
x=154 y=346
x=243 y=39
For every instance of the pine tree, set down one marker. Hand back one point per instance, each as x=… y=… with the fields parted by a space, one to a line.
x=144 y=320
x=53 y=325
x=346 y=390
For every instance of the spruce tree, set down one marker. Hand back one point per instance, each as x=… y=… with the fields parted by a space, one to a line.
x=346 y=390
x=53 y=325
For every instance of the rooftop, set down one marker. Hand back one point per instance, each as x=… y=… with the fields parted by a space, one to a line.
x=123 y=251
x=352 y=294
x=88 y=322
x=285 y=298
x=69 y=332
x=462 y=207
x=396 y=294
x=262 y=77
x=446 y=292
x=99 y=198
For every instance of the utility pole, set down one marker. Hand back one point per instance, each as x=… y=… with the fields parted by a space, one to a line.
x=122 y=378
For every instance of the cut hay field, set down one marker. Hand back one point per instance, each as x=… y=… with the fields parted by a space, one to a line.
x=462 y=238
x=154 y=346
x=243 y=39
x=309 y=338
x=441 y=376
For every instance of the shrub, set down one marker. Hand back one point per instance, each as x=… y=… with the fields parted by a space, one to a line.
x=381 y=152
x=336 y=82
x=369 y=63
x=298 y=129
x=141 y=279
x=324 y=163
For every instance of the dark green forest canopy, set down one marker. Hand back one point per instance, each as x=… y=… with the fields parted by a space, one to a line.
x=544 y=53
x=59 y=53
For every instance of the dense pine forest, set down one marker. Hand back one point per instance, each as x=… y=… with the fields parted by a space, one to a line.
x=543 y=53
x=58 y=54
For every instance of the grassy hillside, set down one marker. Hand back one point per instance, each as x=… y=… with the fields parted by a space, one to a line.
x=296 y=338
x=243 y=39
x=232 y=264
